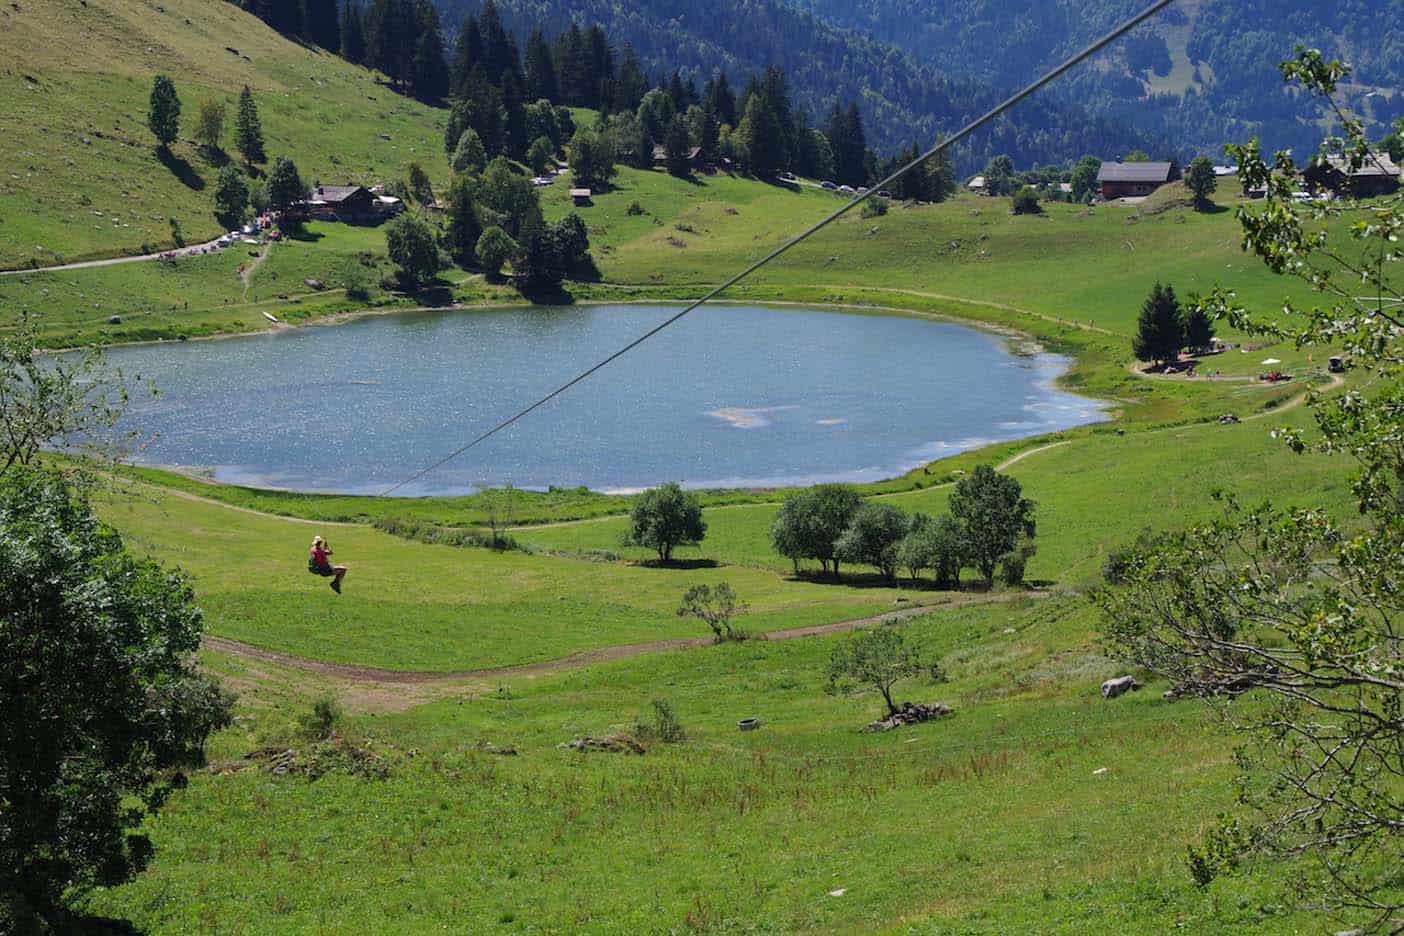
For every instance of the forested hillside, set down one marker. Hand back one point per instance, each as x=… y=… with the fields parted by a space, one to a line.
x=1201 y=74
x=902 y=99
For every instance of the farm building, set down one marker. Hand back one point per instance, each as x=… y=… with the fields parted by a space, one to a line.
x=1378 y=175
x=694 y=157
x=1134 y=179
x=580 y=196
x=350 y=204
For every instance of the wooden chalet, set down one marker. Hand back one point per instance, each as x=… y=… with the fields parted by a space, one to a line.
x=1134 y=179
x=1377 y=175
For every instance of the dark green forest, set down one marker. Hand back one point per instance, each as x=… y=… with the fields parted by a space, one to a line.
x=902 y=100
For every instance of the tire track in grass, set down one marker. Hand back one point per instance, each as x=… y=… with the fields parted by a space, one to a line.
x=373 y=675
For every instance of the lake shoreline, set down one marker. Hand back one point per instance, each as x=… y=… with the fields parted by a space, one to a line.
x=956 y=437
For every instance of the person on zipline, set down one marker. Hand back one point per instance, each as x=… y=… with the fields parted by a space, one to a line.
x=319 y=563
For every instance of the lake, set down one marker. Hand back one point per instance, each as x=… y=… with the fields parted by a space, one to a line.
x=731 y=396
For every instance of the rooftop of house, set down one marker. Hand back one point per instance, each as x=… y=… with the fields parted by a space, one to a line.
x=1376 y=164
x=335 y=194
x=1135 y=172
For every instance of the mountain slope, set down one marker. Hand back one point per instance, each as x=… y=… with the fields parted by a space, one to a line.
x=902 y=99
x=84 y=177
x=1201 y=73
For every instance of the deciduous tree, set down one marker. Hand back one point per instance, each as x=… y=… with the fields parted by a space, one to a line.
x=873 y=658
x=209 y=124
x=494 y=248
x=410 y=242
x=102 y=706
x=1201 y=181
x=993 y=512
x=664 y=518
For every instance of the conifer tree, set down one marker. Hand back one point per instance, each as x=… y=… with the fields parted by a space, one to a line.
x=431 y=74
x=763 y=138
x=353 y=34
x=720 y=100
x=461 y=234
x=1160 y=330
x=630 y=85
x=600 y=66
x=541 y=81
x=248 y=134
x=321 y=23
x=499 y=53
x=677 y=144
x=467 y=53
x=164 y=116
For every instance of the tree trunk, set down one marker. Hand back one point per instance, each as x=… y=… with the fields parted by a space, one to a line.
x=887 y=697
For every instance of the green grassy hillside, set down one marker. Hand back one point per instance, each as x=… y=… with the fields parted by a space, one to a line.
x=84 y=179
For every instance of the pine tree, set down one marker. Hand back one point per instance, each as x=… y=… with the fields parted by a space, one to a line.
x=571 y=66
x=463 y=229
x=677 y=144
x=709 y=137
x=541 y=81
x=763 y=137
x=467 y=52
x=720 y=100
x=630 y=85
x=1160 y=330
x=321 y=23
x=164 y=115
x=353 y=34
x=499 y=55
x=248 y=133
x=600 y=70
x=431 y=74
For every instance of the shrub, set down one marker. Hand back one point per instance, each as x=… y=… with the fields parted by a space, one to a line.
x=1025 y=201
x=664 y=726
x=321 y=721
x=875 y=207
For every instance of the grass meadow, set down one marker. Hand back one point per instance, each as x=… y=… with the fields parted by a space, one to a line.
x=1037 y=807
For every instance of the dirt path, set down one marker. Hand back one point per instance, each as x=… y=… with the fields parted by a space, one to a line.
x=113 y=261
x=247 y=273
x=1011 y=460
x=362 y=675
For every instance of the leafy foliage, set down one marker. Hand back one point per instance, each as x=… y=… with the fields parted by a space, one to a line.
x=1292 y=603
x=716 y=605
x=101 y=705
x=285 y=185
x=1200 y=179
x=873 y=658
x=811 y=521
x=231 y=196
x=994 y=514
x=872 y=537
x=71 y=401
x=665 y=517
x=494 y=248
x=410 y=242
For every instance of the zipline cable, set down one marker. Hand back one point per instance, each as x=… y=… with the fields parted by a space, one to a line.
x=857 y=199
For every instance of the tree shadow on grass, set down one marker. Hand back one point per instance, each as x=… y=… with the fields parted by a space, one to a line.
x=298 y=231
x=78 y=924
x=555 y=295
x=181 y=169
x=679 y=565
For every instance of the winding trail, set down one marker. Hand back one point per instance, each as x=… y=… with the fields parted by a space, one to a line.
x=113 y=261
x=386 y=677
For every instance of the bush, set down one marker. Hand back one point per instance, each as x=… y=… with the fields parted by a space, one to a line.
x=1025 y=201
x=664 y=727
x=321 y=722
x=875 y=207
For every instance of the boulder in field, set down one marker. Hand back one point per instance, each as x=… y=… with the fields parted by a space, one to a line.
x=1119 y=686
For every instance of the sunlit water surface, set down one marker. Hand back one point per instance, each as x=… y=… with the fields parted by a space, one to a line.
x=732 y=396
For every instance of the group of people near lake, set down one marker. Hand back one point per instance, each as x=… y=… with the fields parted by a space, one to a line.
x=319 y=563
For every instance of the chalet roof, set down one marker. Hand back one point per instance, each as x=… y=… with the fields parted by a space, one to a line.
x=1135 y=172
x=336 y=194
x=1376 y=164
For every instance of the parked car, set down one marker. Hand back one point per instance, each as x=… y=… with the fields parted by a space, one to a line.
x=828 y=185
x=884 y=194
x=846 y=189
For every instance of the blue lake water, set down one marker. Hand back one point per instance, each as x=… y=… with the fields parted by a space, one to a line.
x=731 y=396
